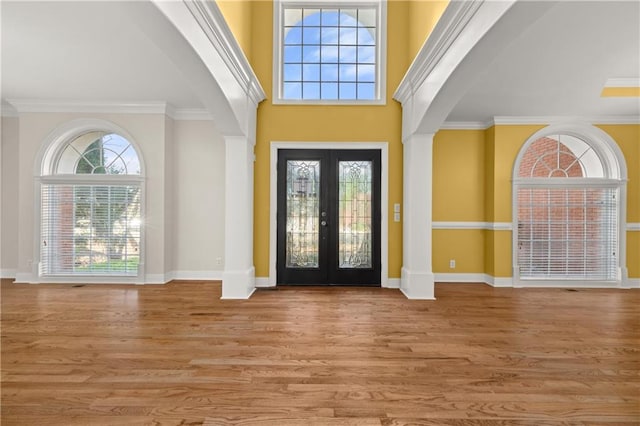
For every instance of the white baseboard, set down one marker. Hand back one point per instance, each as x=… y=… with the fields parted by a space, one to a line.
x=263 y=282
x=8 y=273
x=633 y=282
x=157 y=278
x=392 y=283
x=197 y=275
x=474 y=278
x=460 y=278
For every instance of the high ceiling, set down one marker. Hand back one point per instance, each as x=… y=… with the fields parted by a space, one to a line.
x=559 y=65
x=88 y=51
x=102 y=51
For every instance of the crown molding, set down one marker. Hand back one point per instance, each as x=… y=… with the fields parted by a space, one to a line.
x=464 y=125
x=540 y=120
x=212 y=22
x=453 y=21
x=21 y=106
x=9 y=111
x=50 y=105
x=622 y=82
x=547 y=120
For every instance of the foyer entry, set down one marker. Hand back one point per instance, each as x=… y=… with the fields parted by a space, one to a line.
x=328 y=217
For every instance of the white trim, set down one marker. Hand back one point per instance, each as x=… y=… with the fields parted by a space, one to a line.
x=238 y=284
x=212 y=22
x=464 y=125
x=393 y=283
x=381 y=51
x=450 y=25
x=21 y=106
x=554 y=120
x=505 y=282
x=44 y=172
x=8 y=273
x=615 y=176
x=490 y=226
x=383 y=147
x=9 y=111
x=197 y=275
x=541 y=120
x=461 y=278
x=622 y=82
x=263 y=282
x=633 y=226
x=49 y=105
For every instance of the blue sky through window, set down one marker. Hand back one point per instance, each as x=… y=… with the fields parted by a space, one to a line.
x=329 y=54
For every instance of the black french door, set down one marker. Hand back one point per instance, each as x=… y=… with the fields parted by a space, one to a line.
x=328 y=217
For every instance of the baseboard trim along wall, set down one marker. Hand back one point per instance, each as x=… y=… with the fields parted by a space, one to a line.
x=508 y=281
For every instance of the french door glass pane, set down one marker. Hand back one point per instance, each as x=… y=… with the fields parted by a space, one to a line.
x=303 y=214
x=355 y=214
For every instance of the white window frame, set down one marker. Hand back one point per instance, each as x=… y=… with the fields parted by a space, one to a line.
x=381 y=52
x=615 y=176
x=45 y=168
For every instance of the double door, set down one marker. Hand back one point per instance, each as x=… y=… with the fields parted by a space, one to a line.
x=328 y=220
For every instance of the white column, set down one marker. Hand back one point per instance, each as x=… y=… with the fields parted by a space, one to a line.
x=417 y=274
x=238 y=279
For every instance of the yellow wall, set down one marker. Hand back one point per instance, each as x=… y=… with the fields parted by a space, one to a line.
x=621 y=92
x=628 y=139
x=472 y=176
x=237 y=13
x=328 y=123
x=423 y=16
x=472 y=168
x=458 y=168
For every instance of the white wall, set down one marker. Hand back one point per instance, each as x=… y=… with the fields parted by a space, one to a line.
x=9 y=197
x=184 y=193
x=147 y=130
x=199 y=156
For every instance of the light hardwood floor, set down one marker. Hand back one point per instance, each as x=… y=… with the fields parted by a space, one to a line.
x=177 y=354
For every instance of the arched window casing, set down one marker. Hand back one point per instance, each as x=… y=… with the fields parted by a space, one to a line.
x=91 y=205
x=569 y=196
x=329 y=52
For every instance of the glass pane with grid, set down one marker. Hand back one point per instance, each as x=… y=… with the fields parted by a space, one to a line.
x=329 y=54
x=90 y=229
x=303 y=214
x=355 y=214
x=567 y=233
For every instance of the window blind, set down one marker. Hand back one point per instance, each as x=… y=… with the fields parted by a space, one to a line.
x=90 y=229
x=567 y=233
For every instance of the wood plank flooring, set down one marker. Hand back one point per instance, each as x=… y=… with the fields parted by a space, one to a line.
x=178 y=355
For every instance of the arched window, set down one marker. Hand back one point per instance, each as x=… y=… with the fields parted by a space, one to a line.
x=91 y=207
x=330 y=51
x=567 y=192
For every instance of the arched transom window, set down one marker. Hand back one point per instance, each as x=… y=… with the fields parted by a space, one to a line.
x=329 y=51
x=567 y=212
x=91 y=217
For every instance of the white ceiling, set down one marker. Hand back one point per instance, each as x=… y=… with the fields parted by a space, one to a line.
x=99 y=51
x=88 y=51
x=559 y=65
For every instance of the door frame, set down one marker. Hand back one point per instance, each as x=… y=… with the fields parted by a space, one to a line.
x=383 y=147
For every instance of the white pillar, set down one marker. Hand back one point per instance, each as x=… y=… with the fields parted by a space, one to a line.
x=417 y=275
x=238 y=279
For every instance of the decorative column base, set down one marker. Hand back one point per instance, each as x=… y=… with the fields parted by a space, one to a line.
x=238 y=284
x=417 y=285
